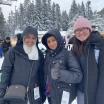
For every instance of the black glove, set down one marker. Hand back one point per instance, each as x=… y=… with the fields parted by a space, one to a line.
x=55 y=71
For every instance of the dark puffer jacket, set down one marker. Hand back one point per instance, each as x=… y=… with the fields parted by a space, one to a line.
x=67 y=65
x=16 y=70
x=92 y=83
x=5 y=47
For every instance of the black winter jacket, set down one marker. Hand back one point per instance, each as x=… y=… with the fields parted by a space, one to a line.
x=68 y=67
x=16 y=69
x=92 y=81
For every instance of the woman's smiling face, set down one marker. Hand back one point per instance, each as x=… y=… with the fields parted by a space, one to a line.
x=52 y=42
x=30 y=40
x=82 y=34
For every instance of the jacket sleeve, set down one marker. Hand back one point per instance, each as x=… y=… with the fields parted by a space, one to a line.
x=41 y=79
x=6 y=71
x=73 y=74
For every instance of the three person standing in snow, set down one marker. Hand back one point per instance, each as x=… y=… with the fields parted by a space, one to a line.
x=63 y=73
x=18 y=62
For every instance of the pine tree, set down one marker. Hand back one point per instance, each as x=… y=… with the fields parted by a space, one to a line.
x=44 y=16
x=58 y=17
x=21 y=22
x=65 y=21
x=101 y=12
x=2 y=24
x=40 y=14
x=26 y=6
x=11 y=23
x=83 y=12
x=73 y=11
x=26 y=3
x=98 y=21
x=79 y=9
x=16 y=19
x=53 y=15
x=37 y=14
x=89 y=13
x=30 y=15
x=49 y=9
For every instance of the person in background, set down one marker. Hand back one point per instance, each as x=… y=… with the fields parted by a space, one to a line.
x=88 y=46
x=1 y=51
x=6 y=45
x=62 y=70
x=19 y=38
x=17 y=65
x=16 y=39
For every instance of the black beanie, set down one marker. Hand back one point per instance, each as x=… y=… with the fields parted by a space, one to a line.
x=30 y=30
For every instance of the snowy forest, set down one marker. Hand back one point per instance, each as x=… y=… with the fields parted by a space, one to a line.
x=45 y=14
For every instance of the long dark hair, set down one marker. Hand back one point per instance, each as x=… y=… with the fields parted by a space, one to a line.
x=79 y=47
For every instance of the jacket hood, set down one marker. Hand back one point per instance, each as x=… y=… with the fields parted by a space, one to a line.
x=56 y=34
x=95 y=38
x=30 y=30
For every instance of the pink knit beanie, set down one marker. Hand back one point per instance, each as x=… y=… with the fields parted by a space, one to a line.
x=82 y=22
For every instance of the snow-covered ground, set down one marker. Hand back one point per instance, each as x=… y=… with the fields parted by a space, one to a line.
x=1 y=60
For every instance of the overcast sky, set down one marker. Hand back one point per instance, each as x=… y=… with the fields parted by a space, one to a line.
x=64 y=4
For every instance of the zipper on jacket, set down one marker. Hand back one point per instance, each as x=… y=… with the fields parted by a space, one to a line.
x=87 y=76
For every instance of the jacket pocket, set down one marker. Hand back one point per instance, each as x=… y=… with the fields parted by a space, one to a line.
x=71 y=88
x=63 y=86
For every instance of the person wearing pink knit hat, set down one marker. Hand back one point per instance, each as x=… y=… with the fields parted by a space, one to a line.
x=88 y=46
x=82 y=22
x=82 y=25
